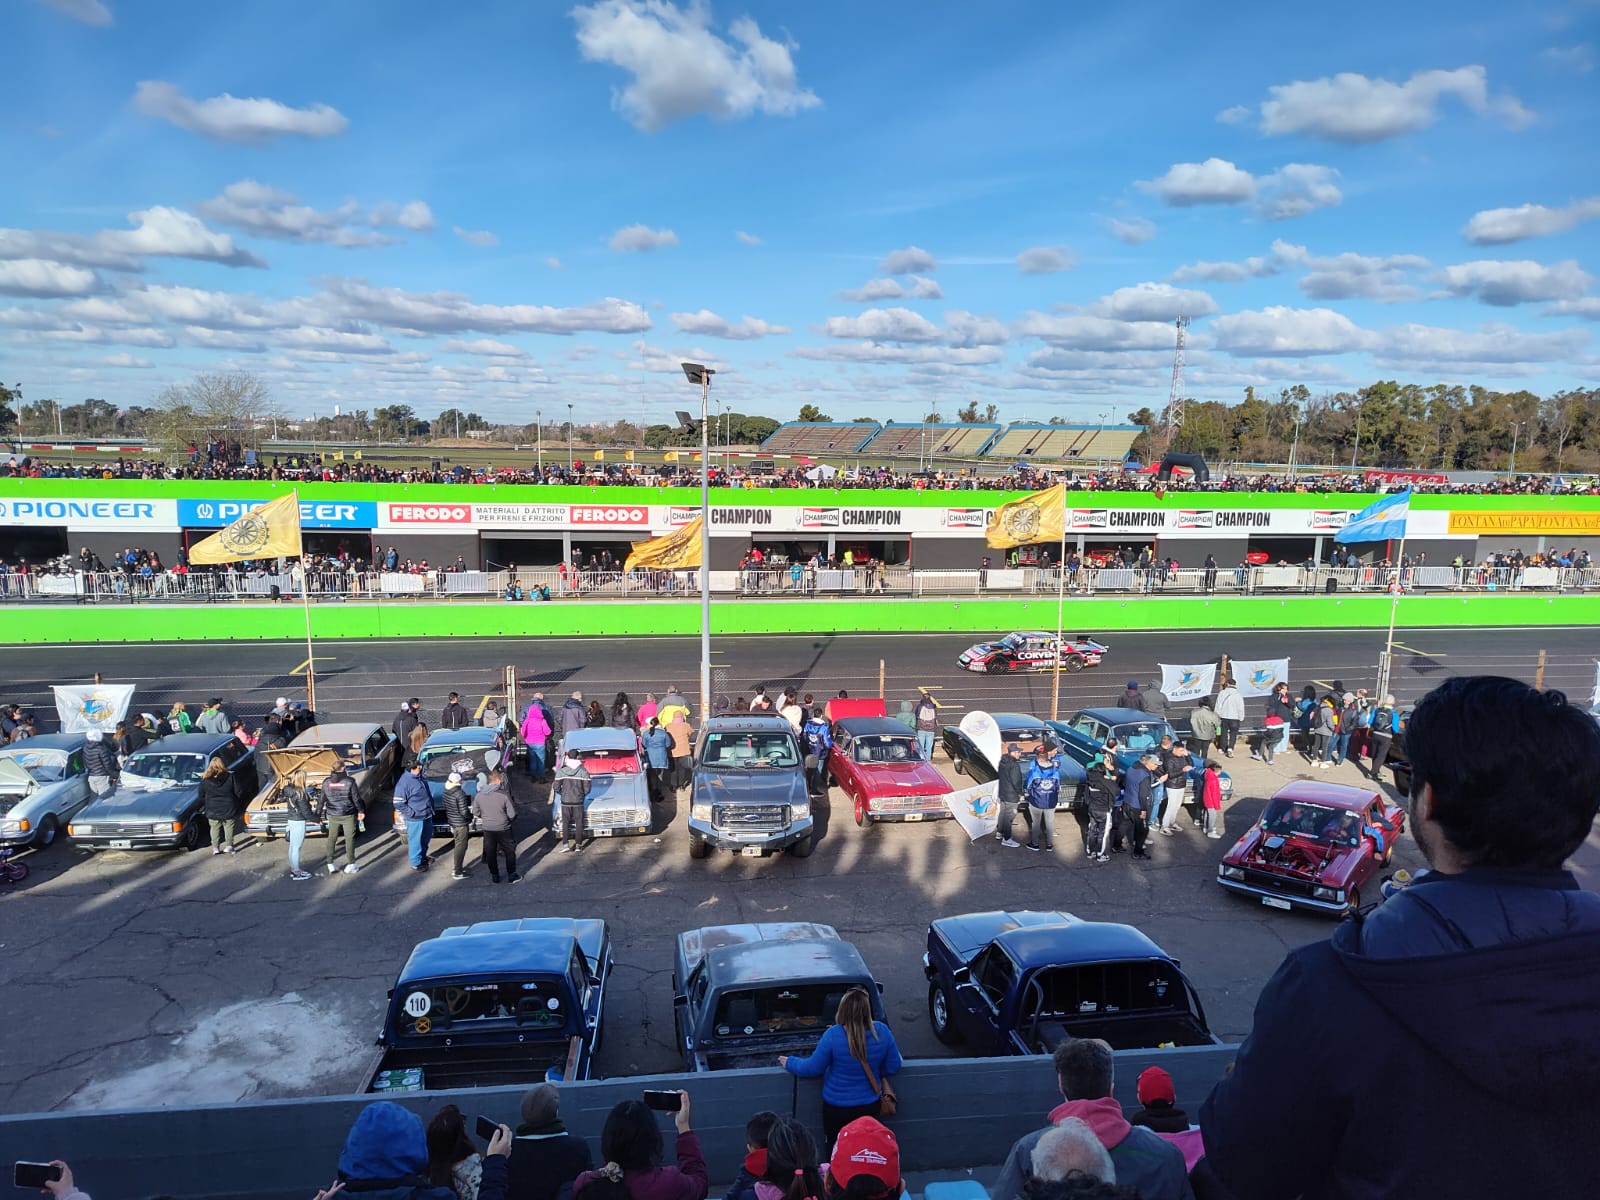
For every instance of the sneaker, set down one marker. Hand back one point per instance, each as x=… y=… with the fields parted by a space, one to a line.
x=1168 y=830
x=216 y=849
x=227 y=849
x=458 y=874
x=1102 y=858
x=1009 y=843
x=1141 y=855
x=1032 y=847
x=578 y=849
x=1254 y=755
x=1213 y=835
x=332 y=869
x=512 y=878
x=566 y=848
x=1197 y=824
x=351 y=868
x=299 y=874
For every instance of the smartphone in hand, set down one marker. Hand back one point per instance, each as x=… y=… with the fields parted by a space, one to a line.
x=35 y=1174
x=663 y=1101
x=487 y=1128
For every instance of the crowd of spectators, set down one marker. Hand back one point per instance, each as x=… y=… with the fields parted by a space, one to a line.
x=320 y=468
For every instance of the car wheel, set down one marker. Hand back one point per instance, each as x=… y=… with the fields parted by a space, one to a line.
x=993 y=667
x=1074 y=663
x=802 y=848
x=699 y=848
x=939 y=1016
x=49 y=830
x=1355 y=899
x=194 y=833
x=862 y=816
x=960 y=764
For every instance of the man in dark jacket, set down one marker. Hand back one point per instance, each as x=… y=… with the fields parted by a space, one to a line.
x=570 y=789
x=1175 y=764
x=572 y=714
x=1100 y=794
x=458 y=815
x=1155 y=700
x=99 y=763
x=404 y=723
x=544 y=1156
x=343 y=809
x=496 y=813
x=1010 y=795
x=455 y=715
x=414 y=803
x=1131 y=697
x=1466 y=999
x=1138 y=786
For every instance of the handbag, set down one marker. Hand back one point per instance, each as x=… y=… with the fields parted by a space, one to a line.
x=888 y=1098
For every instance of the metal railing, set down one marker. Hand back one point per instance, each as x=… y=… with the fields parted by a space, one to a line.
x=535 y=584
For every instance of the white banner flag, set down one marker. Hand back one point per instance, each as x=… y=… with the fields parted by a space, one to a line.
x=976 y=809
x=1187 y=683
x=86 y=706
x=985 y=734
x=1257 y=677
x=1594 y=700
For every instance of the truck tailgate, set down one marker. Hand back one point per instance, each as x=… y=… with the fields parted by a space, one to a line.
x=478 y=1066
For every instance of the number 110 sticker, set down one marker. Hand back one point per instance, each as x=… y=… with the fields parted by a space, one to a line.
x=418 y=1004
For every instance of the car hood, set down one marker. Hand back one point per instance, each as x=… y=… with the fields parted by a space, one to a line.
x=618 y=790
x=981 y=650
x=317 y=761
x=14 y=781
x=750 y=787
x=899 y=779
x=126 y=802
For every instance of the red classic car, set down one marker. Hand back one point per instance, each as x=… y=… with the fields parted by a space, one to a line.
x=877 y=764
x=1316 y=846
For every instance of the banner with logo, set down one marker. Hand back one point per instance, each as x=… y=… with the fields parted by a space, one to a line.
x=270 y=531
x=677 y=551
x=83 y=707
x=1187 y=683
x=980 y=727
x=1258 y=676
x=1594 y=699
x=1034 y=518
x=976 y=809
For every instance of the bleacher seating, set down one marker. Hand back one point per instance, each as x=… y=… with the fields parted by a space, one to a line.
x=1028 y=442
x=945 y=439
x=819 y=437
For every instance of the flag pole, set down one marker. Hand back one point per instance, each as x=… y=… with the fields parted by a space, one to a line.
x=1394 y=608
x=1061 y=600
x=305 y=603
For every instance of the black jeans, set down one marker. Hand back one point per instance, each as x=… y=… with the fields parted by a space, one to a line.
x=1230 y=733
x=1380 y=743
x=835 y=1118
x=498 y=843
x=461 y=835
x=656 y=781
x=572 y=830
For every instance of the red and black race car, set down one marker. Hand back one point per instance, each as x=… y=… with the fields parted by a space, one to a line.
x=1032 y=652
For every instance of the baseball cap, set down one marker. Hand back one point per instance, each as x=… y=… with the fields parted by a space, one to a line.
x=1155 y=1085
x=1133 y=685
x=1010 y=746
x=866 y=1147
x=281 y=702
x=455 y=777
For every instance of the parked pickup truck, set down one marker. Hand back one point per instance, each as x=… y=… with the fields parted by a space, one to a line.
x=744 y=994
x=494 y=1004
x=749 y=792
x=1024 y=982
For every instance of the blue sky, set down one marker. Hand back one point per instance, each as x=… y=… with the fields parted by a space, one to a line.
x=880 y=209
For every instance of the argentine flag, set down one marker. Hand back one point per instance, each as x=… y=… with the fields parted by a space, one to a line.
x=1381 y=521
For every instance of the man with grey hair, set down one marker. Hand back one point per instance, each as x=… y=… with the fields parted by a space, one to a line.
x=544 y=1156
x=1071 y=1148
x=1385 y=724
x=1142 y=1159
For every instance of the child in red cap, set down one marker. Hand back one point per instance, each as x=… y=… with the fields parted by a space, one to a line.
x=865 y=1163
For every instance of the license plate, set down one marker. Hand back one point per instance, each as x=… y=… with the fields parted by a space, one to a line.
x=750 y=851
x=121 y=844
x=602 y=833
x=1274 y=902
x=914 y=816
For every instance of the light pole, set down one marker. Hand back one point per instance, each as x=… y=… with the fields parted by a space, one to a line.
x=1294 y=449
x=538 y=421
x=569 y=439
x=1356 y=450
x=1516 y=429
x=696 y=373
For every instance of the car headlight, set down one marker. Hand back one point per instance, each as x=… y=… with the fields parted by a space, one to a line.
x=700 y=812
x=75 y=830
x=1228 y=872
x=1327 y=893
x=13 y=827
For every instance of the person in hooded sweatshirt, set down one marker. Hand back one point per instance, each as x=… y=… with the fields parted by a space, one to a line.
x=1466 y=1000
x=385 y=1157
x=1145 y=1161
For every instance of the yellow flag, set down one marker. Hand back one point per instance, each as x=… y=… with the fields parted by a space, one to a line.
x=628 y=454
x=1039 y=517
x=338 y=456
x=266 y=531
x=600 y=454
x=676 y=551
x=670 y=456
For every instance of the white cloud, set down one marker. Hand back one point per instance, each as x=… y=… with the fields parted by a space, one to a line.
x=1587 y=308
x=125 y=360
x=90 y=12
x=1494 y=342
x=342 y=341
x=1349 y=107
x=1344 y=276
x=1045 y=260
x=79 y=249
x=455 y=312
x=912 y=260
x=269 y=212
x=967 y=329
x=1215 y=181
x=706 y=323
x=481 y=238
x=1504 y=283
x=878 y=353
x=485 y=348
x=1289 y=331
x=1083 y=331
x=1296 y=189
x=1578 y=59
x=884 y=325
x=1152 y=302
x=919 y=288
x=45 y=279
x=1134 y=231
x=172 y=233
x=224 y=339
x=681 y=66
x=749 y=239
x=553 y=263
x=231 y=119
x=1235 y=114
x=415 y=216
x=1497 y=226
x=641 y=239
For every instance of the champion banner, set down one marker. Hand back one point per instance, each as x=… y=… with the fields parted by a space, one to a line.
x=87 y=706
x=266 y=531
x=1034 y=518
x=1258 y=676
x=976 y=809
x=1187 y=683
x=678 y=550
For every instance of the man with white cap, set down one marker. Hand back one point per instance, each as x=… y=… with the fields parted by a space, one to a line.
x=100 y=763
x=458 y=814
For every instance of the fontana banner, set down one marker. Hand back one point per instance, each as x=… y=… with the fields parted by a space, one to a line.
x=1187 y=683
x=976 y=809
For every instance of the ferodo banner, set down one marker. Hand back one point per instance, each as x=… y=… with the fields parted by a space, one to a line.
x=629 y=515
x=1555 y=523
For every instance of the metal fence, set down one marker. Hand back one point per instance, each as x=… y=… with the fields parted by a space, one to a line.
x=537 y=584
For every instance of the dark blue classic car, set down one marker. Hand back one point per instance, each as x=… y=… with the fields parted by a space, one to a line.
x=496 y=1003
x=1024 y=982
x=1084 y=734
x=744 y=994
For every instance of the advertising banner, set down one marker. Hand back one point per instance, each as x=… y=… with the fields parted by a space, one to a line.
x=314 y=514
x=1581 y=524
x=407 y=516
x=130 y=515
x=519 y=516
x=1202 y=522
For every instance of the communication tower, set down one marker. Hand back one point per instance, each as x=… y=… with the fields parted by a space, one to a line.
x=1175 y=405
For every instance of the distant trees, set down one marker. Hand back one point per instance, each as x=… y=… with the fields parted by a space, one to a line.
x=210 y=407
x=810 y=412
x=970 y=414
x=10 y=400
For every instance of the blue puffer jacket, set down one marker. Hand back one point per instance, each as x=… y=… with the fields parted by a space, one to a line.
x=1446 y=1045
x=385 y=1157
x=412 y=798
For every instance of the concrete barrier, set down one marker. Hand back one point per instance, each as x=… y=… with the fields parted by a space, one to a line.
x=954 y=1114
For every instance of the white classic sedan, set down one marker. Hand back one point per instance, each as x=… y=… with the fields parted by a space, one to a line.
x=42 y=786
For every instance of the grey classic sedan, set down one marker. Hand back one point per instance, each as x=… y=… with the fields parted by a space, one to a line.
x=619 y=800
x=156 y=805
x=42 y=785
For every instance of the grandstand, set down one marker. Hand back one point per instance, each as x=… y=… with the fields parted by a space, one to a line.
x=820 y=437
x=950 y=439
x=1026 y=442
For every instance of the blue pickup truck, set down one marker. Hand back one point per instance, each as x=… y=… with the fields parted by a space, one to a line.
x=1023 y=982
x=496 y=1003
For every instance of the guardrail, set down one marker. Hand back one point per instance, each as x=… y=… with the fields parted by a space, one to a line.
x=530 y=584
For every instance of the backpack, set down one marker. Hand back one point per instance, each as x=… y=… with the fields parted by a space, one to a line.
x=1383 y=720
x=1364 y=719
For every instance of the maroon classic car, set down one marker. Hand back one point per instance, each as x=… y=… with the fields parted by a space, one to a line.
x=1316 y=846
x=876 y=762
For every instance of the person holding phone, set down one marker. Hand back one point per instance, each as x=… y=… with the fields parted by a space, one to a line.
x=453 y=1159
x=53 y=1178
x=631 y=1145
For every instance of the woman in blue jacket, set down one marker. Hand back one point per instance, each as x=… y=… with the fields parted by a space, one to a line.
x=855 y=1059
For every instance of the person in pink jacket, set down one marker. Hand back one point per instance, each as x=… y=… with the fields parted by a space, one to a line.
x=535 y=733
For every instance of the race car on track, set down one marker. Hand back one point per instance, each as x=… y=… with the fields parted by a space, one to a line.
x=1032 y=652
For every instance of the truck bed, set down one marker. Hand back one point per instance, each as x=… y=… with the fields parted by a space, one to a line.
x=1124 y=1033
x=476 y=1066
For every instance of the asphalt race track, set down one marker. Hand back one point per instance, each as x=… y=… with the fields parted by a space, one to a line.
x=134 y=980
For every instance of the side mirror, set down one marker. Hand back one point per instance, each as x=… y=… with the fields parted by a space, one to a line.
x=962 y=975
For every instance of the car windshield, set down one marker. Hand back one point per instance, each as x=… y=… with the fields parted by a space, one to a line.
x=747 y=751
x=466 y=761
x=1026 y=736
x=172 y=769
x=1011 y=641
x=885 y=748
x=1146 y=735
x=780 y=1009
x=1316 y=822
x=43 y=766
x=435 y=1008
x=610 y=762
